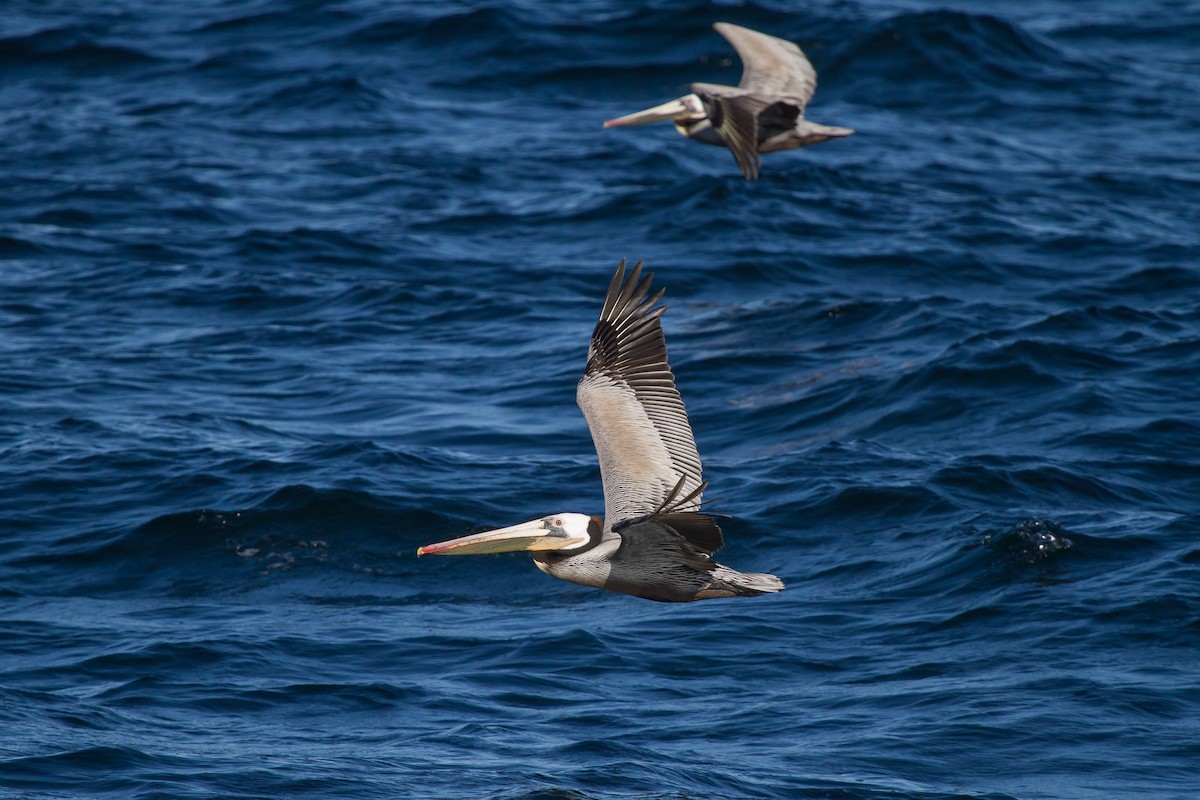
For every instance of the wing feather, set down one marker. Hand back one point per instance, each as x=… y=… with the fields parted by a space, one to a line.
x=771 y=66
x=734 y=117
x=638 y=421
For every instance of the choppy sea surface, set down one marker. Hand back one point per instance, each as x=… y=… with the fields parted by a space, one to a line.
x=288 y=289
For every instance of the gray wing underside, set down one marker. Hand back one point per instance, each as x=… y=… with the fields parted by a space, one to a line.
x=770 y=66
x=638 y=421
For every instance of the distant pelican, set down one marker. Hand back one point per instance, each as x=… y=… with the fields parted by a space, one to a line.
x=764 y=113
x=654 y=541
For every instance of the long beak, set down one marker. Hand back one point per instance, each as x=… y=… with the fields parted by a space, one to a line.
x=666 y=111
x=531 y=535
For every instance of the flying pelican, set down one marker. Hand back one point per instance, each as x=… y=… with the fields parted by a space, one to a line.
x=655 y=540
x=762 y=114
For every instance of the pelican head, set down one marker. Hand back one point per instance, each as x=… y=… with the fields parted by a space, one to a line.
x=686 y=110
x=555 y=532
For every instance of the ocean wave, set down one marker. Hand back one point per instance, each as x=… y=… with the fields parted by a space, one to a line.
x=71 y=48
x=1030 y=542
x=505 y=47
x=95 y=761
x=952 y=50
x=297 y=530
x=16 y=248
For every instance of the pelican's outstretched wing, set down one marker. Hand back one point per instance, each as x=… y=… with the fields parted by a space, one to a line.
x=627 y=393
x=771 y=66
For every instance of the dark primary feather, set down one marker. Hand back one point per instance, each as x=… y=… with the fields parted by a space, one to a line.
x=677 y=500
x=638 y=421
x=734 y=117
x=656 y=562
x=698 y=529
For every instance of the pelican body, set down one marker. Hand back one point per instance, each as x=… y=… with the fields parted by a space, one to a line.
x=762 y=114
x=655 y=540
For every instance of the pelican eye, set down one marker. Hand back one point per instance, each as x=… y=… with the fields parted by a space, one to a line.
x=558 y=523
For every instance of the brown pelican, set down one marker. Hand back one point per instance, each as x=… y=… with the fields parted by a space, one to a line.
x=655 y=540
x=762 y=114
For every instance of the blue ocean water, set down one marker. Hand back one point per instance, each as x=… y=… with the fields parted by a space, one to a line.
x=289 y=289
